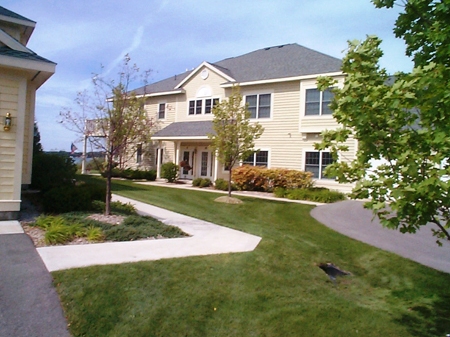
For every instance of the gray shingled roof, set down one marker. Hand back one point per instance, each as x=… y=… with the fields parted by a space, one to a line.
x=264 y=64
x=6 y=51
x=186 y=129
x=7 y=12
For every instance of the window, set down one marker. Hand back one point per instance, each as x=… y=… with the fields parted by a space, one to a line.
x=199 y=106
x=317 y=102
x=210 y=104
x=260 y=158
x=258 y=105
x=162 y=111
x=316 y=162
x=139 y=154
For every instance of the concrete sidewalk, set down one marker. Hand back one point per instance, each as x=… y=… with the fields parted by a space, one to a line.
x=206 y=238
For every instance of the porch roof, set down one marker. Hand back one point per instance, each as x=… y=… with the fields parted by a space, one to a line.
x=185 y=130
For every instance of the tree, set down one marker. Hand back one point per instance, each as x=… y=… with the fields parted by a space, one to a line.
x=37 y=147
x=234 y=138
x=400 y=121
x=113 y=119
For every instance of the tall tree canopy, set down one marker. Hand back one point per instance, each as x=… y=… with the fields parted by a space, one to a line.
x=113 y=118
x=234 y=138
x=402 y=122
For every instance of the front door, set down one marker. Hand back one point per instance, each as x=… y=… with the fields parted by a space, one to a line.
x=188 y=163
x=206 y=164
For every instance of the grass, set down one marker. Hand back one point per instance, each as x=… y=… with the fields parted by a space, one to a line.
x=276 y=290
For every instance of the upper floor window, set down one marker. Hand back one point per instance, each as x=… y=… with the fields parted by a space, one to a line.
x=162 y=111
x=316 y=162
x=260 y=158
x=258 y=105
x=202 y=106
x=317 y=102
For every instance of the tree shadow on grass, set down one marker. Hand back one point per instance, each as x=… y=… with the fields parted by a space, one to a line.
x=428 y=320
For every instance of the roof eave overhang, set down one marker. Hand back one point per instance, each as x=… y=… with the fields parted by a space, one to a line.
x=175 y=138
x=165 y=93
x=39 y=71
x=209 y=66
x=284 y=79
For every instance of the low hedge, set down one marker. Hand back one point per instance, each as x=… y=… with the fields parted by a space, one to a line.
x=201 y=182
x=316 y=194
x=149 y=175
x=255 y=178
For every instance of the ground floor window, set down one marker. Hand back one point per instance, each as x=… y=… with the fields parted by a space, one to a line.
x=316 y=162
x=139 y=154
x=260 y=158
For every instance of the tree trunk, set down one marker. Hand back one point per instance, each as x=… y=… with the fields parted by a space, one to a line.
x=108 y=185
x=229 y=182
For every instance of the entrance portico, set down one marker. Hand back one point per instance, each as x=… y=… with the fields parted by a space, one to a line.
x=190 y=149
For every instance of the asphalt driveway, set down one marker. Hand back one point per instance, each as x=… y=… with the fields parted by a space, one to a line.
x=29 y=304
x=353 y=220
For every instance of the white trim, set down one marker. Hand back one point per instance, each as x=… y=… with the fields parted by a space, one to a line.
x=210 y=67
x=165 y=110
x=269 y=150
x=165 y=93
x=258 y=93
x=10 y=205
x=15 y=62
x=181 y=138
x=12 y=43
x=279 y=80
x=203 y=99
x=18 y=21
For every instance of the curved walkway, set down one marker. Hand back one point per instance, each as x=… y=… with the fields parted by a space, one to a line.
x=206 y=238
x=353 y=220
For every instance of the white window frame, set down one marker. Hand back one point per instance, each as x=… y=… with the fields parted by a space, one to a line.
x=320 y=177
x=203 y=105
x=254 y=158
x=320 y=102
x=159 y=110
x=258 y=94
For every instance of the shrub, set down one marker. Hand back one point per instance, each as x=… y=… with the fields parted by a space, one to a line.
x=222 y=185
x=279 y=192
x=196 y=182
x=170 y=171
x=51 y=170
x=94 y=234
x=205 y=182
x=315 y=194
x=116 y=207
x=248 y=178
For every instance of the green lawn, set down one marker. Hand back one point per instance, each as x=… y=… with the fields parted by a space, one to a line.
x=276 y=290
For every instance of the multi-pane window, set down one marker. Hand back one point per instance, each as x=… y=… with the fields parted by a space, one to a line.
x=210 y=103
x=258 y=105
x=318 y=102
x=199 y=106
x=260 y=158
x=162 y=111
x=316 y=162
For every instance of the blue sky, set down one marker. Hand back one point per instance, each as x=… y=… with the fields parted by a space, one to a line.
x=170 y=36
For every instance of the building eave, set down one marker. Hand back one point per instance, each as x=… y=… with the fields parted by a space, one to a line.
x=177 y=138
x=279 y=80
x=165 y=93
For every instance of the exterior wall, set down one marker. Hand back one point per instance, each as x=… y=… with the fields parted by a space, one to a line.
x=288 y=133
x=12 y=100
x=28 y=136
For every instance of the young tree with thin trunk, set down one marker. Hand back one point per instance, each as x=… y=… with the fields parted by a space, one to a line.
x=401 y=121
x=234 y=137
x=113 y=119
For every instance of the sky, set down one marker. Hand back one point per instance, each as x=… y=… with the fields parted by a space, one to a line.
x=169 y=37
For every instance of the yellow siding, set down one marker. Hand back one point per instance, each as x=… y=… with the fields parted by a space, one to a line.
x=9 y=95
x=28 y=136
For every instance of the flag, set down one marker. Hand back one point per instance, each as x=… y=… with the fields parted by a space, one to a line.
x=73 y=148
